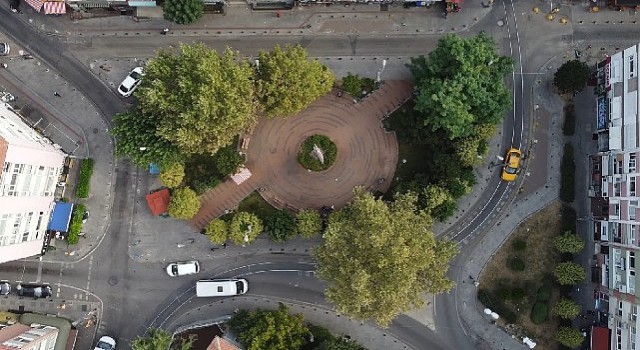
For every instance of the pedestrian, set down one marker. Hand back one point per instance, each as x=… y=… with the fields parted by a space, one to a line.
x=165 y=31
x=224 y=246
x=56 y=94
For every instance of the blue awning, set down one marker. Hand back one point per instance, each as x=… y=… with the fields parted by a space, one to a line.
x=61 y=217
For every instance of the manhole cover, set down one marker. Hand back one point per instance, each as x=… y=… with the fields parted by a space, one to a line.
x=500 y=23
x=95 y=130
x=113 y=280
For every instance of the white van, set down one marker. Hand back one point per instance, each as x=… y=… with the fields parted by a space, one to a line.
x=221 y=287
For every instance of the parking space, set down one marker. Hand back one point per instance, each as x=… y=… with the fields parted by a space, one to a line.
x=113 y=71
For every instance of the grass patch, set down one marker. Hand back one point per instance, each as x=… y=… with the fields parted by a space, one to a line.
x=329 y=150
x=76 y=224
x=255 y=204
x=499 y=281
x=84 y=179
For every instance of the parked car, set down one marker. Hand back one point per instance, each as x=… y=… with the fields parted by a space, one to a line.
x=511 y=164
x=34 y=290
x=106 y=343
x=5 y=287
x=4 y=49
x=183 y=268
x=131 y=82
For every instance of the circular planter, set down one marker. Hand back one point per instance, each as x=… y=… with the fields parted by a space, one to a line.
x=309 y=161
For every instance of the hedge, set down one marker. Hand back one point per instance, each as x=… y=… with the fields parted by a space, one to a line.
x=86 y=170
x=539 y=312
x=76 y=224
x=568 y=175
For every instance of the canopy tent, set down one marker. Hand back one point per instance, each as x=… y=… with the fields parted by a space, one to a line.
x=55 y=8
x=158 y=201
x=36 y=4
x=61 y=217
x=241 y=176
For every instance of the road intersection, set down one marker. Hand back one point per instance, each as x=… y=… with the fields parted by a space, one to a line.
x=126 y=282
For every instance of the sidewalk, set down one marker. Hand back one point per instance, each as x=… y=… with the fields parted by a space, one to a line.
x=72 y=121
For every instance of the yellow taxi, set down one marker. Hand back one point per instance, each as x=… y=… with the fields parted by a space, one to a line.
x=511 y=164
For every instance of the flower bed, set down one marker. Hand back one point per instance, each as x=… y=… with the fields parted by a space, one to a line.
x=309 y=161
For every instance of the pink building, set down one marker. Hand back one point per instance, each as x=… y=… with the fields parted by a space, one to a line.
x=31 y=167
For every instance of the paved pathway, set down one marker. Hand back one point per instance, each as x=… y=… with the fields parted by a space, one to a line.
x=366 y=154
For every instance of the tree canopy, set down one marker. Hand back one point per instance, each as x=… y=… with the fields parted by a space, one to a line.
x=172 y=175
x=567 y=309
x=269 y=329
x=569 y=337
x=287 y=80
x=461 y=84
x=197 y=99
x=572 y=76
x=217 y=231
x=308 y=223
x=379 y=258
x=183 y=11
x=568 y=242
x=244 y=225
x=280 y=226
x=184 y=203
x=569 y=273
x=158 y=339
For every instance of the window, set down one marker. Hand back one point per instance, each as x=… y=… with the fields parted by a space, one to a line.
x=619 y=312
x=632 y=186
x=632 y=163
x=631 y=65
x=632 y=260
x=633 y=316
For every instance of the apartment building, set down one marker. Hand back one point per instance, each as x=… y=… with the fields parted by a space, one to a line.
x=31 y=167
x=19 y=336
x=614 y=196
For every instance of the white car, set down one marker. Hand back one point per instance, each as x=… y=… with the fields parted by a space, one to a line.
x=106 y=343
x=131 y=82
x=183 y=268
x=4 y=49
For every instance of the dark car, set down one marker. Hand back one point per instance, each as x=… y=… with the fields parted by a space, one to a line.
x=5 y=288
x=34 y=290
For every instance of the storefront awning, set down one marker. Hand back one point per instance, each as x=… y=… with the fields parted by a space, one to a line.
x=61 y=217
x=36 y=4
x=241 y=176
x=55 y=8
x=142 y=3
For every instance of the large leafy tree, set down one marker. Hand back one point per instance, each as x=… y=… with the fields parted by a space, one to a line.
x=571 y=77
x=568 y=242
x=199 y=99
x=137 y=139
x=461 y=84
x=217 y=231
x=567 y=309
x=379 y=258
x=287 y=80
x=184 y=203
x=183 y=11
x=569 y=273
x=269 y=329
x=227 y=160
x=569 y=337
x=280 y=226
x=244 y=228
x=158 y=339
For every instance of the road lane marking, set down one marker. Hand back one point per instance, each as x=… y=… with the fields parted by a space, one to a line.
x=89 y=277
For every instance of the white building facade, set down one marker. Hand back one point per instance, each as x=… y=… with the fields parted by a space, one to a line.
x=31 y=167
x=615 y=198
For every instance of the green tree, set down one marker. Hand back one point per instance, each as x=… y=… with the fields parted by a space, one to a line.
x=569 y=273
x=287 y=81
x=217 y=231
x=308 y=223
x=158 y=339
x=340 y=343
x=439 y=202
x=182 y=11
x=280 y=226
x=172 y=175
x=567 y=309
x=227 y=160
x=352 y=84
x=569 y=337
x=467 y=150
x=137 y=139
x=200 y=99
x=461 y=84
x=572 y=76
x=184 y=203
x=568 y=242
x=269 y=329
x=369 y=238
x=244 y=228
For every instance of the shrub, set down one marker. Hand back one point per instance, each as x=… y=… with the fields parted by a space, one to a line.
x=217 y=231
x=182 y=11
x=75 y=227
x=568 y=242
x=539 y=312
x=172 y=175
x=84 y=179
x=568 y=173
x=516 y=264
x=519 y=245
x=544 y=293
x=569 y=337
x=352 y=84
x=569 y=273
x=329 y=150
x=184 y=203
x=244 y=228
x=200 y=187
x=567 y=309
x=280 y=226
x=308 y=223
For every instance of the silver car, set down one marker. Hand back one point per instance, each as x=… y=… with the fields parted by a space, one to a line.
x=4 y=49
